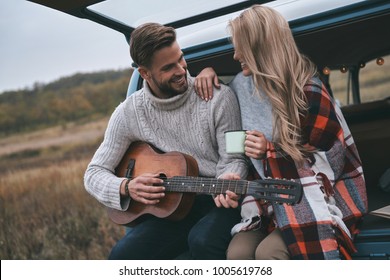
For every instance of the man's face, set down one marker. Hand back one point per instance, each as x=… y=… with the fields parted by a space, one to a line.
x=167 y=75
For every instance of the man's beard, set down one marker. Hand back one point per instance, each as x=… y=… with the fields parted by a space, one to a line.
x=169 y=91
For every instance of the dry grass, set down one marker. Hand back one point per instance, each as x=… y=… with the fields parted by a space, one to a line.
x=45 y=212
x=74 y=133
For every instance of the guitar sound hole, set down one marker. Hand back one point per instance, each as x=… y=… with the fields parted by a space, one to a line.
x=163 y=176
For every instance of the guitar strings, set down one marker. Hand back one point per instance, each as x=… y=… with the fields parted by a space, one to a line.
x=217 y=186
x=208 y=185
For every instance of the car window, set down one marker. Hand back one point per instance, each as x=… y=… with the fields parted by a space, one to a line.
x=374 y=81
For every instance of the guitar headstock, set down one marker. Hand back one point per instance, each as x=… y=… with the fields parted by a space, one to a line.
x=276 y=190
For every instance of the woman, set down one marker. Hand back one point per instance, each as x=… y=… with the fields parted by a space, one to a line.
x=294 y=131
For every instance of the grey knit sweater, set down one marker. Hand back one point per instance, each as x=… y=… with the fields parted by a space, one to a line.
x=184 y=123
x=256 y=110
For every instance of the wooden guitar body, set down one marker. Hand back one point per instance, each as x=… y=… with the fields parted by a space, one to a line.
x=175 y=205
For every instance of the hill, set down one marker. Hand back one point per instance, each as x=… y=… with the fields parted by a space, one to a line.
x=69 y=99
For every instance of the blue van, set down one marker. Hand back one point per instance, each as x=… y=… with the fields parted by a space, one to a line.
x=349 y=40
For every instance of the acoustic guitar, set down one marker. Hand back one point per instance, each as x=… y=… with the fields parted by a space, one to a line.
x=180 y=174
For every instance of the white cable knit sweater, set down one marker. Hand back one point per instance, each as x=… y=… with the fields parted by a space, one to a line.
x=184 y=123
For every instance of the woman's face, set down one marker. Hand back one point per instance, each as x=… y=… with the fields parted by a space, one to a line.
x=245 y=69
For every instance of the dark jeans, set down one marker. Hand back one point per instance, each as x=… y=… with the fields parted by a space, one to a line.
x=203 y=234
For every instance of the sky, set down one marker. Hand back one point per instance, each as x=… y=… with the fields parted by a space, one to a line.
x=39 y=44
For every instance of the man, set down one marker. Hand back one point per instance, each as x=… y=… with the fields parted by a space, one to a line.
x=167 y=114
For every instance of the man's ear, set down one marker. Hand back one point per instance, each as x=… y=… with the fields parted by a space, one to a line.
x=144 y=73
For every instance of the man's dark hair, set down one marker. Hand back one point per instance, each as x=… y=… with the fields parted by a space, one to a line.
x=148 y=38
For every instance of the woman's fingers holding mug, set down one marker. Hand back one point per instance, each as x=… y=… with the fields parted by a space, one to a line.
x=255 y=144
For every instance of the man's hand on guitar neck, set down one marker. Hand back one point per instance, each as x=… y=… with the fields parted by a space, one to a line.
x=144 y=188
x=230 y=199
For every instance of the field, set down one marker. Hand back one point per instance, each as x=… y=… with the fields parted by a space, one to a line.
x=44 y=208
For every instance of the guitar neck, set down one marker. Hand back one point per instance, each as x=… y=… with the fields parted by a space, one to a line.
x=205 y=185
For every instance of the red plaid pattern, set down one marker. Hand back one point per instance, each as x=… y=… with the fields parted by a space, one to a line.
x=308 y=229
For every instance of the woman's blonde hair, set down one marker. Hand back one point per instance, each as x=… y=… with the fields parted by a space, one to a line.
x=264 y=40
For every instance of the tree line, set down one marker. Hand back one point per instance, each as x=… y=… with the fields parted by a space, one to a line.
x=73 y=98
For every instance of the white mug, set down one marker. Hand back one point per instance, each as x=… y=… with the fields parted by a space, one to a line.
x=235 y=141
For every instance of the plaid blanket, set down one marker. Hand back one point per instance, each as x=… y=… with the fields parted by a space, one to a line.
x=322 y=225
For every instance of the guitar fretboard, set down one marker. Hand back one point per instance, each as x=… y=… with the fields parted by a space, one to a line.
x=205 y=185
